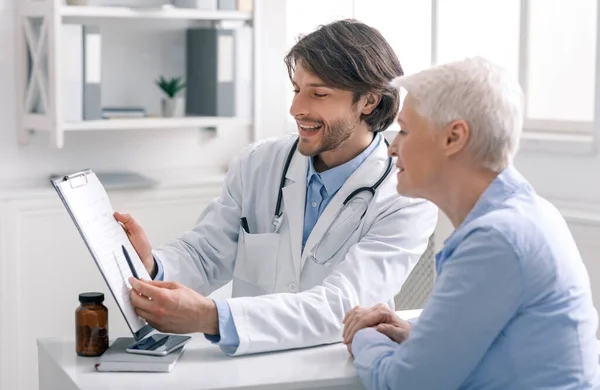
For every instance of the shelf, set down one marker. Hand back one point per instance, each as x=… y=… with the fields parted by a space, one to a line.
x=155 y=123
x=74 y=13
x=40 y=59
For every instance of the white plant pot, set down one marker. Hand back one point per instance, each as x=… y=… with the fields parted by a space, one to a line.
x=172 y=108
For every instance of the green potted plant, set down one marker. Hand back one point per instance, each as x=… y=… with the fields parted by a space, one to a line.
x=172 y=105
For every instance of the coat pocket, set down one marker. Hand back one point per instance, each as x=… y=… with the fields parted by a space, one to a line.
x=256 y=260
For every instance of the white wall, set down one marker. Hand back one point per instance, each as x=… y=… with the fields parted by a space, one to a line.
x=567 y=177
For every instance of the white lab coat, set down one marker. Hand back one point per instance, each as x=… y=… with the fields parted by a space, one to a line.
x=282 y=298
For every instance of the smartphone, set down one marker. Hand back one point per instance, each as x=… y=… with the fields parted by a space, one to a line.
x=158 y=344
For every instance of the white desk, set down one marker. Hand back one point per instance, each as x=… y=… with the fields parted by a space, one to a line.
x=204 y=367
x=201 y=367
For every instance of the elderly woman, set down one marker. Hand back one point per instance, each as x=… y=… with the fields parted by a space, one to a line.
x=511 y=307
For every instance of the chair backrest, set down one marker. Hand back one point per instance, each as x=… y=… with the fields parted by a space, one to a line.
x=417 y=287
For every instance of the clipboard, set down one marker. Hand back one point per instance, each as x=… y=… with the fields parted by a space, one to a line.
x=87 y=203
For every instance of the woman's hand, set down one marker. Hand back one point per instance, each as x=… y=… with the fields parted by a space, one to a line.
x=379 y=316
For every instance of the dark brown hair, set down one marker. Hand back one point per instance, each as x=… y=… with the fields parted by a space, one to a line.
x=352 y=56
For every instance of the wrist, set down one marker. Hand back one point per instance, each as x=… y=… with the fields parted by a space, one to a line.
x=154 y=269
x=209 y=318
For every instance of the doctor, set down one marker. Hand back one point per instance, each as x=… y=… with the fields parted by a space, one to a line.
x=308 y=226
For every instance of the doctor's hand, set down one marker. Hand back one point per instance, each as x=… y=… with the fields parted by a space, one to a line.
x=173 y=308
x=381 y=316
x=139 y=240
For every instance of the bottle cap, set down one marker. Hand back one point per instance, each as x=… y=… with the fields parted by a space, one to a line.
x=91 y=297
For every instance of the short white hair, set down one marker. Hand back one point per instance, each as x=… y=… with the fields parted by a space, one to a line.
x=479 y=92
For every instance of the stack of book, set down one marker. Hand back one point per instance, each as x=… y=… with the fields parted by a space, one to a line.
x=230 y=5
x=117 y=359
x=123 y=112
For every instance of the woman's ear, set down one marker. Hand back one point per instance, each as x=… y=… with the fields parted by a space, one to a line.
x=371 y=101
x=457 y=135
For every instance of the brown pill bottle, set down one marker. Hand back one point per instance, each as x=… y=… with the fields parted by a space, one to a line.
x=91 y=325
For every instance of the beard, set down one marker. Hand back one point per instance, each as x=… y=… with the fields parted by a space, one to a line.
x=334 y=136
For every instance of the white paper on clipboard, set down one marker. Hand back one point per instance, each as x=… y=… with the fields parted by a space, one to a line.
x=87 y=202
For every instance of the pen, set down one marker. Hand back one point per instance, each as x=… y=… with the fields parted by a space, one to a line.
x=133 y=271
x=244 y=222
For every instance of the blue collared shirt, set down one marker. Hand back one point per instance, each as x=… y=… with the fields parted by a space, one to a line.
x=511 y=307
x=320 y=189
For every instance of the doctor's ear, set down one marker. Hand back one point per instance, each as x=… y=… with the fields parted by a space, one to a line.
x=371 y=101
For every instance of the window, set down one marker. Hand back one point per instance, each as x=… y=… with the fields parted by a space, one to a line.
x=549 y=44
x=494 y=33
x=304 y=16
x=561 y=59
x=406 y=24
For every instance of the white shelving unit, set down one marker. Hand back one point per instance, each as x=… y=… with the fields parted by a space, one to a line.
x=155 y=123
x=39 y=44
x=77 y=13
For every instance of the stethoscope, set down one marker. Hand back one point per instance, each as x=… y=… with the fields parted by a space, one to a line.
x=278 y=217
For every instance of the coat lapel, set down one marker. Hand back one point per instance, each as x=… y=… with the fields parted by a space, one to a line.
x=294 y=196
x=365 y=176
